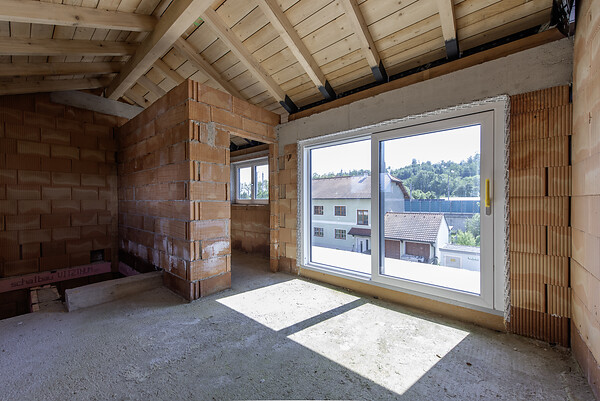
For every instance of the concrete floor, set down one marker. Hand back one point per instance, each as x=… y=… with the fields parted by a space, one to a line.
x=272 y=336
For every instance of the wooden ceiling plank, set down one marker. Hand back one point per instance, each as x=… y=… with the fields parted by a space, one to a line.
x=151 y=86
x=237 y=47
x=178 y=17
x=170 y=73
x=201 y=64
x=448 y=22
x=362 y=31
x=62 y=47
x=37 y=12
x=45 y=69
x=12 y=88
x=291 y=38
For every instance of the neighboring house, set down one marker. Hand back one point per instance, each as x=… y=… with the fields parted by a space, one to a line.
x=412 y=236
x=460 y=256
x=343 y=204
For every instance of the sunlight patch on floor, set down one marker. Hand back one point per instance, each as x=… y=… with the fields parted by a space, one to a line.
x=284 y=304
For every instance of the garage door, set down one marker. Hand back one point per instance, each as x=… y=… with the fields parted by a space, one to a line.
x=413 y=248
x=392 y=249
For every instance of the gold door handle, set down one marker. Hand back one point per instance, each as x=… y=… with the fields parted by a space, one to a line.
x=488 y=199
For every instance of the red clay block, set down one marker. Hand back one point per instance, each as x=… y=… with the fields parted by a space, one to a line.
x=208 y=191
x=94 y=180
x=225 y=117
x=56 y=136
x=22 y=222
x=23 y=192
x=101 y=242
x=206 y=153
x=29 y=236
x=93 y=231
x=8 y=176
x=34 y=207
x=199 y=112
x=84 y=166
x=53 y=248
x=34 y=177
x=33 y=148
x=82 y=141
x=215 y=247
x=11 y=115
x=54 y=262
x=20 y=267
x=80 y=245
x=65 y=206
x=106 y=120
x=208 y=229
x=215 y=284
x=49 y=109
x=76 y=114
x=93 y=205
x=79 y=259
x=8 y=207
x=8 y=145
x=31 y=251
x=82 y=193
x=38 y=120
x=69 y=124
x=53 y=193
x=93 y=155
x=59 y=165
x=55 y=220
x=214 y=172
x=23 y=162
x=68 y=179
x=65 y=152
x=22 y=132
x=84 y=219
x=63 y=233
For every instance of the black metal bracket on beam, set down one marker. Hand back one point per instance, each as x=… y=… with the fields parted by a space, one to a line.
x=327 y=91
x=564 y=16
x=379 y=73
x=452 y=50
x=288 y=105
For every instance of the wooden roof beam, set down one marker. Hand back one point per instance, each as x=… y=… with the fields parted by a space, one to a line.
x=243 y=54
x=37 y=12
x=448 y=21
x=14 y=88
x=293 y=41
x=151 y=86
x=63 y=47
x=200 y=63
x=169 y=72
x=45 y=69
x=366 y=40
x=99 y=104
x=173 y=23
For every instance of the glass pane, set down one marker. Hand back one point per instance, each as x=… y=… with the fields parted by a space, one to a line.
x=245 y=183
x=262 y=181
x=432 y=227
x=340 y=186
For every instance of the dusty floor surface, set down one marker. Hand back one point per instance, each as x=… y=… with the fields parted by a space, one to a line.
x=272 y=336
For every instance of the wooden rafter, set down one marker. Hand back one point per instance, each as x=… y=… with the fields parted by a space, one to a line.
x=243 y=54
x=293 y=41
x=367 y=44
x=62 y=47
x=138 y=99
x=12 y=88
x=99 y=104
x=448 y=21
x=37 y=12
x=39 y=69
x=151 y=86
x=178 y=17
x=169 y=72
x=197 y=61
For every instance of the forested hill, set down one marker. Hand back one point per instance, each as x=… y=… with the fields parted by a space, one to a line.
x=430 y=180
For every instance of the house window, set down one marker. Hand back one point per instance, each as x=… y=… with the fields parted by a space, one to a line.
x=251 y=181
x=427 y=168
x=362 y=217
x=318 y=210
x=340 y=210
x=318 y=231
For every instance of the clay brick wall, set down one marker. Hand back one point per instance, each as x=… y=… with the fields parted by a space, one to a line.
x=585 y=213
x=174 y=210
x=58 y=185
x=250 y=231
x=288 y=208
x=539 y=201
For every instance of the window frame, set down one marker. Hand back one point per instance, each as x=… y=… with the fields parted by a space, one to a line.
x=340 y=230
x=322 y=231
x=365 y=214
x=315 y=210
x=235 y=180
x=496 y=298
x=342 y=207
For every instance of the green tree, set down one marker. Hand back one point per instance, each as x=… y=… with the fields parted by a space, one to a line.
x=464 y=238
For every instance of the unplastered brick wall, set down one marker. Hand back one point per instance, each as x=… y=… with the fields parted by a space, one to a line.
x=288 y=208
x=174 y=210
x=539 y=199
x=58 y=185
x=585 y=214
x=250 y=231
